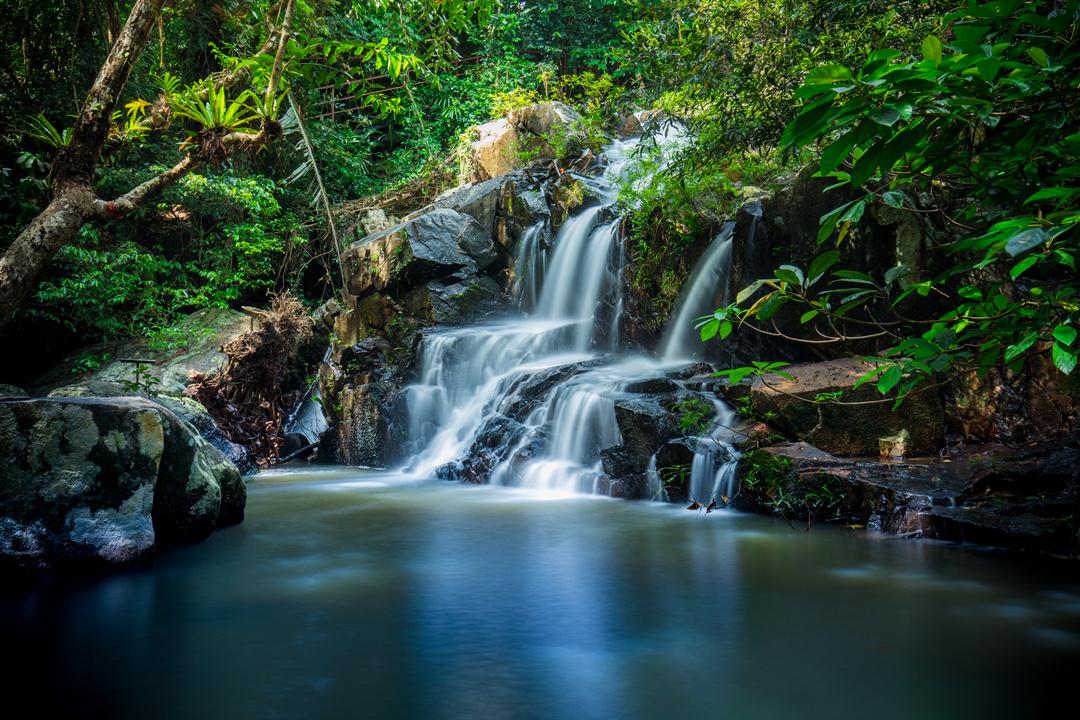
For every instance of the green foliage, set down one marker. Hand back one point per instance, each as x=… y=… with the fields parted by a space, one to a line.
x=769 y=483
x=980 y=132
x=695 y=414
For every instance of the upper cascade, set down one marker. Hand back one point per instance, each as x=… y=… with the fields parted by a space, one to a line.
x=545 y=400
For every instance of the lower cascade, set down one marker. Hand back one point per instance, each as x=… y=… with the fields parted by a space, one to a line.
x=535 y=400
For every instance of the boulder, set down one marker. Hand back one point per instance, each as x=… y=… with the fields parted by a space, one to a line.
x=479 y=200
x=10 y=391
x=437 y=244
x=193 y=413
x=495 y=150
x=187 y=409
x=492 y=153
x=845 y=430
x=455 y=303
x=106 y=481
x=543 y=119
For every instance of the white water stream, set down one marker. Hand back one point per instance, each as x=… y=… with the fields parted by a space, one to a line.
x=555 y=370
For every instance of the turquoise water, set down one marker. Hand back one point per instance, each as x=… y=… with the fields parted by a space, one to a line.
x=355 y=594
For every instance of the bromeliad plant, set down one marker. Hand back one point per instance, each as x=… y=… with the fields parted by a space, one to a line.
x=980 y=136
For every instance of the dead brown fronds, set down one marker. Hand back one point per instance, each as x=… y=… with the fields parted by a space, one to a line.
x=262 y=381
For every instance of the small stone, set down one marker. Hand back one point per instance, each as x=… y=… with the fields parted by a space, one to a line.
x=895 y=446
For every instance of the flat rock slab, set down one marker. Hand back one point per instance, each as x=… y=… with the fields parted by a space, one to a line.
x=960 y=500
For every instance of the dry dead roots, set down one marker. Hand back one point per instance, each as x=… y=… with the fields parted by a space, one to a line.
x=263 y=379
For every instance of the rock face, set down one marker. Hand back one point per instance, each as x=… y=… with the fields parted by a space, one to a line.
x=499 y=144
x=106 y=481
x=844 y=430
x=1025 y=501
x=435 y=245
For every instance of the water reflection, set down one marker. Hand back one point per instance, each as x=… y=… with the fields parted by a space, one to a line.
x=357 y=594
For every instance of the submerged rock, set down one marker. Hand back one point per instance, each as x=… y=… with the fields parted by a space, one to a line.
x=106 y=481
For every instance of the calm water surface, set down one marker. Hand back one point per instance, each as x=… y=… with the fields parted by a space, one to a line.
x=353 y=593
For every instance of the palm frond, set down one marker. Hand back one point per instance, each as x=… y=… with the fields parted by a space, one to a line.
x=292 y=122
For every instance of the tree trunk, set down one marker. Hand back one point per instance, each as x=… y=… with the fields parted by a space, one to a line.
x=74 y=201
x=73 y=168
x=36 y=245
x=75 y=162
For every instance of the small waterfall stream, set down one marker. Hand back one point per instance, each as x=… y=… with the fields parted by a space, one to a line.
x=534 y=396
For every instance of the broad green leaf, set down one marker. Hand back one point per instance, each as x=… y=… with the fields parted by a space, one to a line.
x=1065 y=334
x=1039 y=56
x=1064 y=358
x=886 y=116
x=820 y=264
x=784 y=272
x=889 y=379
x=893 y=198
x=931 y=50
x=827 y=74
x=1013 y=352
x=1019 y=268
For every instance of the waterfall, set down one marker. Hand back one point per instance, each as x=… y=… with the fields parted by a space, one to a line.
x=529 y=267
x=529 y=401
x=703 y=292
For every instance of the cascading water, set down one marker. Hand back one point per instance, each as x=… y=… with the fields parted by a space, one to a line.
x=533 y=396
x=699 y=297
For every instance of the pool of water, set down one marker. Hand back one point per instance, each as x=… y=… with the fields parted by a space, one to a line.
x=355 y=593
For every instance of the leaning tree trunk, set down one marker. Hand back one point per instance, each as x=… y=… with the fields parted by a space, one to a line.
x=73 y=168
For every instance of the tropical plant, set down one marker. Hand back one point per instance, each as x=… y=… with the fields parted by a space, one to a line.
x=980 y=135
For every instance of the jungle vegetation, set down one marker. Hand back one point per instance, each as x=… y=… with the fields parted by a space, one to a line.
x=157 y=157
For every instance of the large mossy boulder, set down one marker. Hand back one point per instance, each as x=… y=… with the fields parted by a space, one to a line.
x=800 y=407
x=106 y=481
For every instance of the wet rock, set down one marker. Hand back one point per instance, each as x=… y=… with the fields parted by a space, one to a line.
x=1016 y=502
x=846 y=430
x=645 y=425
x=640 y=121
x=653 y=386
x=106 y=481
x=435 y=245
x=456 y=303
x=522 y=204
